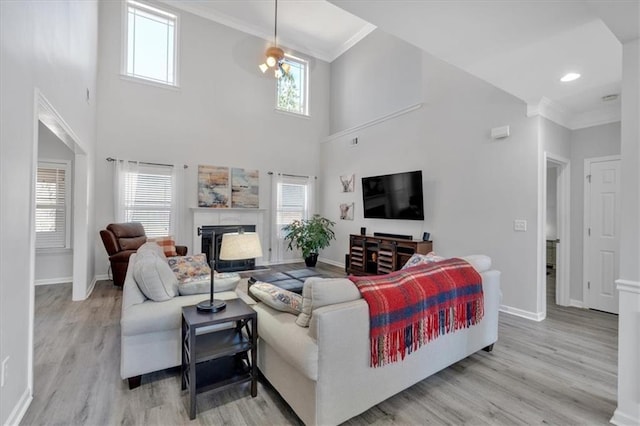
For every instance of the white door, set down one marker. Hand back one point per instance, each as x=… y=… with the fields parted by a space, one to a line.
x=603 y=234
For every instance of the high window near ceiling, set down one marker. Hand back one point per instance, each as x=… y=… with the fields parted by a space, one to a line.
x=293 y=87
x=53 y=194
x=150 y=52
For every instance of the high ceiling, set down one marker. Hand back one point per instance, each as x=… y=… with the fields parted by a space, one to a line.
x=520 y=46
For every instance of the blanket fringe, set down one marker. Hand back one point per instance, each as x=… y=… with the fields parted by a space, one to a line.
x=396 y=344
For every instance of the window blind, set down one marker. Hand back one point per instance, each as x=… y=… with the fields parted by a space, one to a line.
x=148 y=199
x=52 y=200
x=292 y=203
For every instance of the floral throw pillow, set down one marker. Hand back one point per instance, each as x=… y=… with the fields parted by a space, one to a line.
x=276 y=297
x=419 y=259
x=189 y=268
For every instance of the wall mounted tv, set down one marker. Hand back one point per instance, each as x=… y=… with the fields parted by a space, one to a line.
x=395 y=196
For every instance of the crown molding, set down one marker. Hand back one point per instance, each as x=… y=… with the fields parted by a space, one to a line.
x=573 y=121
x=355 y=39
x=239 y=25
x=550 y=110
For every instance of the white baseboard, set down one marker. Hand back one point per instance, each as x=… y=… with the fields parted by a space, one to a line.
x=92 y=286
x=102 y=277
x=621 y=419
x=576 y=303
x=20 y=409
x=331 y=262
x=539 y=316
x=48 y=281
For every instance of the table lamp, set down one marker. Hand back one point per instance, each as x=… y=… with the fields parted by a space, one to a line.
x=235 y=246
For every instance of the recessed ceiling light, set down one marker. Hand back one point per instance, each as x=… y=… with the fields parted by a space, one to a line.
x=570 y=76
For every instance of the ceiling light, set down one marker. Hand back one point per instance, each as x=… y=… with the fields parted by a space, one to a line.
x=570 y=76
x=275 y=55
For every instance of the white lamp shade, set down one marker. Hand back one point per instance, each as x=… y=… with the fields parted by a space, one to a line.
x=237 y=246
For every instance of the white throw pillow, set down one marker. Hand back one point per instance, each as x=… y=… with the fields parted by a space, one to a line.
x=154 y=277
x=318 y=292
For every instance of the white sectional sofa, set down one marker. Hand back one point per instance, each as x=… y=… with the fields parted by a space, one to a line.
x=151 y=331
x=323 y=371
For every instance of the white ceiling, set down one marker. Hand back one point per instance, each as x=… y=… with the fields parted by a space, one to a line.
x=520 y=46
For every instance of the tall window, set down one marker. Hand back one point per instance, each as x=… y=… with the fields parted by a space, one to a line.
x=292 y=203
x=53 y=193
x=146 y=195
x=150 y=52
x=293 y=87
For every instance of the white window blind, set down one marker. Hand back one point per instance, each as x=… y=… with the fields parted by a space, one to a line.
x=292 y=203
x=52 y=201
x=151 y=43
x=147 y=197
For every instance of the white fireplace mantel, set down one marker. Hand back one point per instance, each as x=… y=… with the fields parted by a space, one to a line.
x=206 y=216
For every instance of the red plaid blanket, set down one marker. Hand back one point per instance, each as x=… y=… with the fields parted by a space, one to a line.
x=410 y=307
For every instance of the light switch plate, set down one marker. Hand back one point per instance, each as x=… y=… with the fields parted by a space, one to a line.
x=520 y=225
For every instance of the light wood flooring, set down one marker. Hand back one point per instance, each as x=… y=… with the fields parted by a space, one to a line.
x=560 y=371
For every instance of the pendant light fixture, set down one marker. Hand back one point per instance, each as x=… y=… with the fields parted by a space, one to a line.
x=275 y=55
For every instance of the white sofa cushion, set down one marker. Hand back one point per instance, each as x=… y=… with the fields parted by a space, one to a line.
x=225 y=281
x=480 y=262
x=318 y=292
x=154 y=277
x=150 y=316
x=291 y=342
x=152 y=247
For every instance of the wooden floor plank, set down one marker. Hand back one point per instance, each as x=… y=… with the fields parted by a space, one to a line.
x=559 y=371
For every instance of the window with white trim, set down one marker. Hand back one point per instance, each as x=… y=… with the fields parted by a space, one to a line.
x=53 y=194
x=292 y=202
x=293 y=87
x=146 y=195
x=150 y=51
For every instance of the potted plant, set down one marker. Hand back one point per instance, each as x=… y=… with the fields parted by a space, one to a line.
x=310 y=236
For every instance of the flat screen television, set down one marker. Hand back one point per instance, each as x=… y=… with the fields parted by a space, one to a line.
x=395 y=196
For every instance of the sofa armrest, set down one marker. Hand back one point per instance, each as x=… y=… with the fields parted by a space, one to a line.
x=181 y=250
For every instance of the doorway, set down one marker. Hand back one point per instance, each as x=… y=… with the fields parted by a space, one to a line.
x=602 y=236
x=555 y=237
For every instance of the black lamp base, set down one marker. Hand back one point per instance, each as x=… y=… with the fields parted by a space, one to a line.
x=211 y=305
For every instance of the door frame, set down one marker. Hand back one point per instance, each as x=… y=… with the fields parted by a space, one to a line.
x=586 y=220
x=563 y=222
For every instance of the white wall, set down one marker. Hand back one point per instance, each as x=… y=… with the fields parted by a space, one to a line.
x=597 y=141
x=396 y=77
x=474 y=187
x=223 y=114
x=50 y=46
x=54 y=265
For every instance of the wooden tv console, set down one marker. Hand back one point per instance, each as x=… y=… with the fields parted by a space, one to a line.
x=373 y=255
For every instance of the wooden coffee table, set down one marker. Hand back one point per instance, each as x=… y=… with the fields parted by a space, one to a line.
x=215 y=359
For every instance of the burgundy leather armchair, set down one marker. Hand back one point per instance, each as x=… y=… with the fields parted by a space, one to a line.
x=122 y=240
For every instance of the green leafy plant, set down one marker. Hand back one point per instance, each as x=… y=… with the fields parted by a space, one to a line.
x=309 y=235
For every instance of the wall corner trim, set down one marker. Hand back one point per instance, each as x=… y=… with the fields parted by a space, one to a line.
x=373 y=122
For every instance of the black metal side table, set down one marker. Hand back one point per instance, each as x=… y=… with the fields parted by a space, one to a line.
x=215 y=359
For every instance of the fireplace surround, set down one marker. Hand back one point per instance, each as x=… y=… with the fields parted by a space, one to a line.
x=209 y=231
